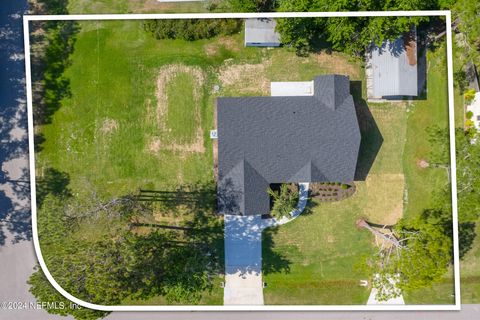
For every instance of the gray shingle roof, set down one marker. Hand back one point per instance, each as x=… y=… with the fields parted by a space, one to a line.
x=263 y=140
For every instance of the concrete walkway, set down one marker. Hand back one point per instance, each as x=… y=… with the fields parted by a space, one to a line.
x=243 y=254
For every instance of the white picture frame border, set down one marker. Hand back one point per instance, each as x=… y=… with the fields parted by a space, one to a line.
x=443 y=13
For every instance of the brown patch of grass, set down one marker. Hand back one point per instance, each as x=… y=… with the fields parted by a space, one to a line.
x=422 y=163
x=245 y=78
x=108 y=126
x=211 y=49
x=337 y=64
x=229 y=43
x=158 y=143
x=384 y=198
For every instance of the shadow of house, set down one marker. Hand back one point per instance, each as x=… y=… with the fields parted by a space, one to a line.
x=371 y=137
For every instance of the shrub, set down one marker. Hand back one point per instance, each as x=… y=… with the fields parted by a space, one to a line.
x=284 y=201
x=345 y=186
x=192 y=29
x=469 y=95
x=469 y=123
x=469 y=115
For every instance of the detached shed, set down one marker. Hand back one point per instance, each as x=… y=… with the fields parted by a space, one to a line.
x=391 y=69
x=261 y=33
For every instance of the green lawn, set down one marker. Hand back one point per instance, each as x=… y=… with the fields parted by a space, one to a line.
x=129 y=123
x=133 y=6
x=124 y=128
x=425 y=113
x=105 y=134
x=433 y=110
x=323 y=248
x=180 y=118
x=395 y=186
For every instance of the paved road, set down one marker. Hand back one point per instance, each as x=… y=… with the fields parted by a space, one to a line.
x=17 y=256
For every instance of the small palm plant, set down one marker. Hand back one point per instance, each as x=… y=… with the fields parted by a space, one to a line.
x=284 y=201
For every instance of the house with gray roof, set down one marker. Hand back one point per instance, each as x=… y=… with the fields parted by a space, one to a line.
x=392 y=69
x=260 y=32
x=284 y=139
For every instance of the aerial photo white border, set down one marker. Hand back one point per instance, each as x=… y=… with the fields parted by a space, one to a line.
x=446 y=14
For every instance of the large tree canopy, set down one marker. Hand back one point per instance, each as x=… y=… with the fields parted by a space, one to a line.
x=108 y=260
x=466 y=15
x=419 y=254
x=468 y=167
x=351 y=35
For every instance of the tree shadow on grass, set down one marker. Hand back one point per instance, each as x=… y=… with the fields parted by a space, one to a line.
x=466 y=235
x=272 y=260
x=205 y=229
x=197 y=196
x=52 y=182
x=371 y=137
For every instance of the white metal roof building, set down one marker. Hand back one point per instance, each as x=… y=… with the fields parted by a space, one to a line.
x=391 y=70
x=261 y=33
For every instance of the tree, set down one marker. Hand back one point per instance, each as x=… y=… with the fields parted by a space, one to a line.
x=113 y=263
x=347 y=34
x=284 y=201
x=41 y=288
x=468 y=169
x=468 y=175
x=422 y=256
x=252 y=5
x=465 y=15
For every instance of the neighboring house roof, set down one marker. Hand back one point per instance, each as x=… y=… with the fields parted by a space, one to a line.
x=392 y=69
x=263 y=140
x=261 y=32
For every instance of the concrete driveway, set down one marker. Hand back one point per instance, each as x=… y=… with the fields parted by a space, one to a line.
x=243 y=253
x=243 y=260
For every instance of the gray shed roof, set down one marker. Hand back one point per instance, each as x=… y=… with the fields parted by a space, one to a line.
x=394 y=69
x=261 y=32
x=263 y=140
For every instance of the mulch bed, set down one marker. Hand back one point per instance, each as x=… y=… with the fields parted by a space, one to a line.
x=331 y=191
